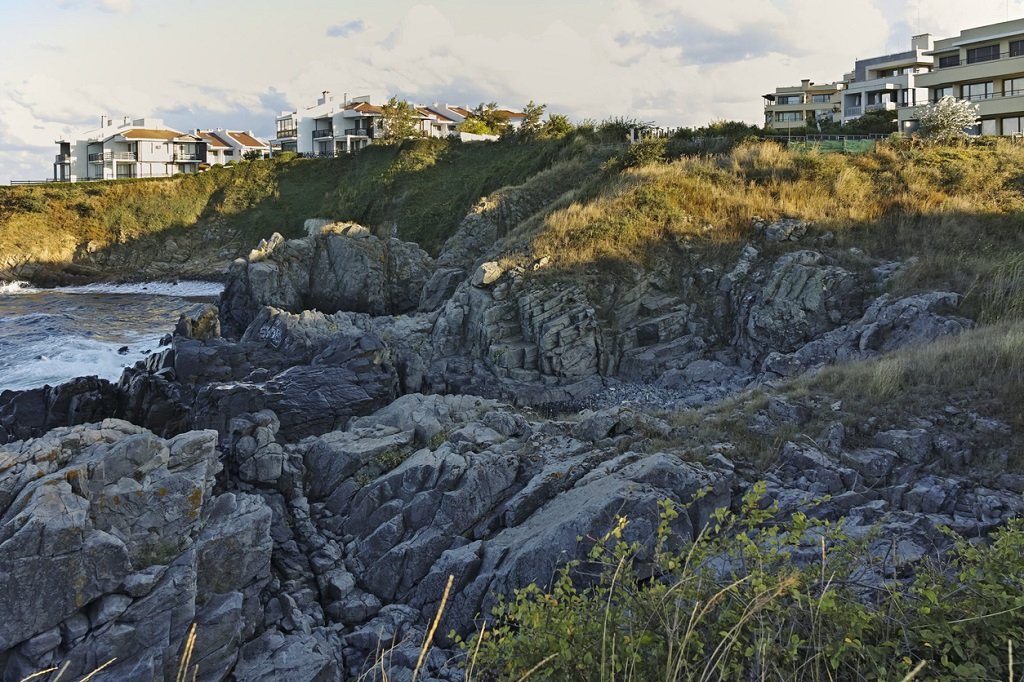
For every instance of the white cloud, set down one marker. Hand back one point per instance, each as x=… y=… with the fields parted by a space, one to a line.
x=677 y=62
x=117 y=6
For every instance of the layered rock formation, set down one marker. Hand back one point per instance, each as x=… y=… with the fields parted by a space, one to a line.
x=302 y=487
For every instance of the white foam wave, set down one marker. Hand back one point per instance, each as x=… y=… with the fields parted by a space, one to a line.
x=16 y=287
x=55 y=360
x=181 y=289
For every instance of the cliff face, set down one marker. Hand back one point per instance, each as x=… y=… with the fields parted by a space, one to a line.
x=374 y=419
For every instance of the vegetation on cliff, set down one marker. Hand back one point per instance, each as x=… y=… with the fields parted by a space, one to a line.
x=756 y=597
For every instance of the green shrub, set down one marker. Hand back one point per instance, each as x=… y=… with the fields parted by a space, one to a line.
x=753 y=598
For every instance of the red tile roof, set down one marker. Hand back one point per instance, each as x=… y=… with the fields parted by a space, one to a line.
x=246 y=140
x=147 y=134
x=213 y=141
x=365 y=108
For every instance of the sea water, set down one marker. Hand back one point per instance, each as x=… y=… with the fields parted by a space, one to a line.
x=48 y=336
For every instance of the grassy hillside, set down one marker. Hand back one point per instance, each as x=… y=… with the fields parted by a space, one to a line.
x=421 y=188
x=958 y=211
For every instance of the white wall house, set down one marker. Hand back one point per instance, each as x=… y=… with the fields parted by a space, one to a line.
x=888 y=82
x=133 y=148
x=225 y=146
x=330 y=127
x=343 y=125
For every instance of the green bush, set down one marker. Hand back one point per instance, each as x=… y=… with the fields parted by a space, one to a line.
x=752 y=598
x=647 y=152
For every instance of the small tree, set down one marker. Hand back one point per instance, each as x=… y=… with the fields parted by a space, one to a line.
x=946 y=120
x=399 y=120
x=532 y=115
x=556 y=127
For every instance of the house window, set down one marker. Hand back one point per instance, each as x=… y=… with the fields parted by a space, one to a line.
x=786 y=116
x=982 y=54
x=820 y=98
x=790 y=99
x=977 y=91
x=944 y=91
x=1016 y=48
x=1013 y=125
x=1013 y=86
x=949 y=60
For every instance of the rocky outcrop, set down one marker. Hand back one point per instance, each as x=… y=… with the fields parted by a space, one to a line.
x=340 y=267
x=112 y=542
x=31 y=413
x=889 y=323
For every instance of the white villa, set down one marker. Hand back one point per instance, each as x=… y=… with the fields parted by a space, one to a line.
x=335 y=126
x=146 y=148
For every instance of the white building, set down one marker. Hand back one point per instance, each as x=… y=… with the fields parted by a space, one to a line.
x=888 y=82
x=225 y=146
x=139 y=148
x=330 y=127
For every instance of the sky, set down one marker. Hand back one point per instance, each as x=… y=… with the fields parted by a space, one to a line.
x=238 y=63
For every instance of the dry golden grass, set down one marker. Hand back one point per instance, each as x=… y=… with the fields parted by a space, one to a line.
x=957 y=211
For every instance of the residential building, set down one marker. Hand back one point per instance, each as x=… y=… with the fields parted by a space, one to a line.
x=329 y=127
x=436 y=124
x=339 y=126
x=135 y=148
x=888 y=82
x=218 y=151
x=984 y=65
x=793 y=107
x=243 y=144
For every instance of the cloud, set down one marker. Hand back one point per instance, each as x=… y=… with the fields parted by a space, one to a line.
x=346 y=29
x=115 y=6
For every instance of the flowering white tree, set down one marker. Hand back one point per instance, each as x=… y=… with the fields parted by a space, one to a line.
x=945 y=120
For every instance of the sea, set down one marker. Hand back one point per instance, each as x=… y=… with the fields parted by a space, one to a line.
x=48 y=336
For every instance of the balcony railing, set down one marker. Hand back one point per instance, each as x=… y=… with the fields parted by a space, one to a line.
x=100 y=157
x=184 y=158
x=881 y=106
x=949 y=63
x=63 y=158
x=322 y=133
x=359 y=132
x=285 y=133
x=853 y=111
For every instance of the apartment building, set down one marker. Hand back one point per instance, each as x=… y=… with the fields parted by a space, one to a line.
x=888 y=82
x=984 y=65
x=793 y=107
x=330 y=127
x=224 y=146
x=133 y=148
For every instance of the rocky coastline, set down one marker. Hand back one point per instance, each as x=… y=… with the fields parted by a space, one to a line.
x=303 y=466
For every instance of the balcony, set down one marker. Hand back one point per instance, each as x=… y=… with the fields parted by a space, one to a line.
x=286 y=133
x=323 y=133
x=101 y=157
x=881 y=106
x=62 y=158
x=358 y=132
x=185 y=158
x=853 y=111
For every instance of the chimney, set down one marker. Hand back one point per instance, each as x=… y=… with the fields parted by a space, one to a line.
x=103 y=121
x=805 y=83
x=126 y=119
x=345 y=102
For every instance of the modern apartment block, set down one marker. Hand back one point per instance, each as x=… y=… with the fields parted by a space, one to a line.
x=984 y=65
x=329 y=127
x=139 y=148
x=793 y=107
x=888 y=82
